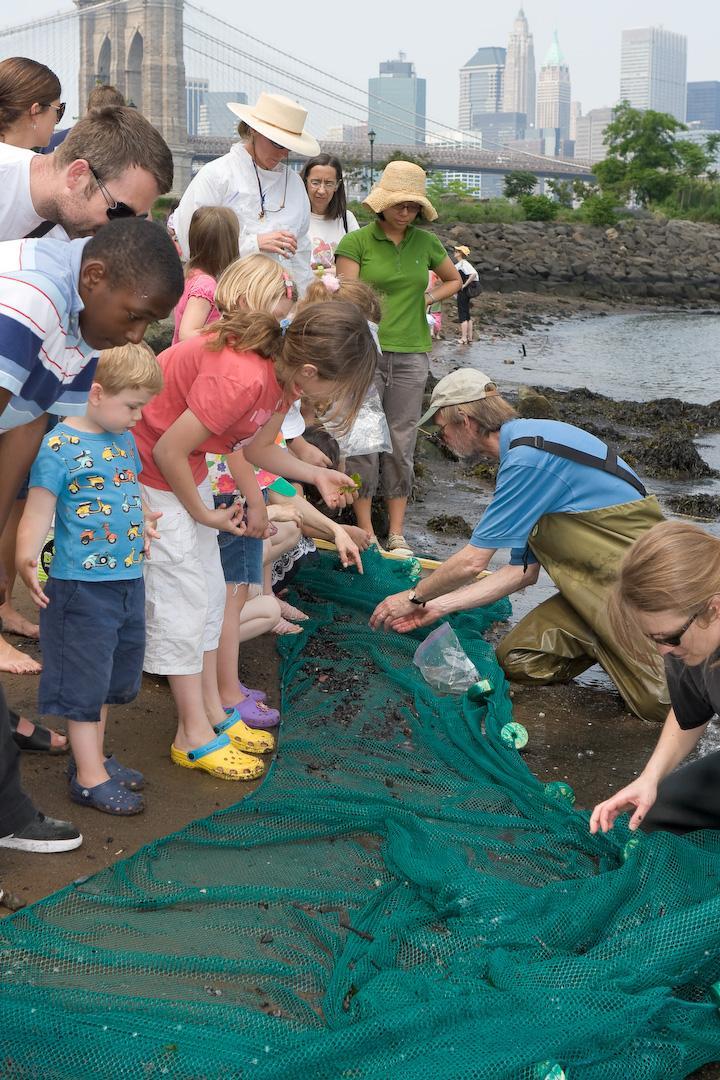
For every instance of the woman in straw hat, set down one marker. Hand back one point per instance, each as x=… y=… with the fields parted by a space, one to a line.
x=394 y=256
x=255 y=182
x=469 y=274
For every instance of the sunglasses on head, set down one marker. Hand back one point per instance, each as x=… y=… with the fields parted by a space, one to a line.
x=673 y=640
x=115 y=208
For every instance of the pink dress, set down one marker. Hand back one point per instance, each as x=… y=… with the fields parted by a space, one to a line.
x=200 y=284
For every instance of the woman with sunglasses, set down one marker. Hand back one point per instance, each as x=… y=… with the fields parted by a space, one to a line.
x=330 y=218
x=30 y=105
x=667 y=598
x=256 y=182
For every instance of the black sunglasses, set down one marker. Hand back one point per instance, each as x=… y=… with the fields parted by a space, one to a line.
x=673 y=640
x=115 y=208
x=59 y=109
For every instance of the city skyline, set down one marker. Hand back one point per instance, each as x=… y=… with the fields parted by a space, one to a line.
x=591 y=41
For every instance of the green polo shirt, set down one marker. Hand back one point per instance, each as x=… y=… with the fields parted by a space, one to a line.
x=399 y=274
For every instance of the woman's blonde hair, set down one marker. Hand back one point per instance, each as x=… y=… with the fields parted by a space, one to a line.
x=674 y=566
x=129 y=367
x=350 y=289
x=213 y=240
x=489 y=413
x=334 y=338
x=256 y=283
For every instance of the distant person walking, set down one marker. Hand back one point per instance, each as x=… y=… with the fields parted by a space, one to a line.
x=254 y=180
x=469 y=276
x=330 y=218
x=395 y=257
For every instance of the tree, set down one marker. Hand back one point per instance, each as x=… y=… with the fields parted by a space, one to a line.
x=438 y=188
x=539 y=207
x=645 y=160
x=423 y=160
x=518 y=183
x=563 y=192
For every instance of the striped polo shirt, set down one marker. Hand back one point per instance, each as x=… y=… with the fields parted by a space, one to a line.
x=44 y=361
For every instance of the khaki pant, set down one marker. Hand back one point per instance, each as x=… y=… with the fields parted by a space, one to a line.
x=571 y=631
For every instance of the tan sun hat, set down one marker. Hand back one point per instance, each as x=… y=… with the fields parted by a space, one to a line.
x=457 y=388
x=400 y=181
x=280 y=120
x=464 y=251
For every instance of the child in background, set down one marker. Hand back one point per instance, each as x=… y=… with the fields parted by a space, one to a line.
x=226 y=392
x=92 y=612
x=213 y=239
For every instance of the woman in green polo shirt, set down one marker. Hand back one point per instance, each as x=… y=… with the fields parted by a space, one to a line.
x=394 y=256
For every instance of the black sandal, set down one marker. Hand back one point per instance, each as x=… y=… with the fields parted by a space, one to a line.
x=40 y=742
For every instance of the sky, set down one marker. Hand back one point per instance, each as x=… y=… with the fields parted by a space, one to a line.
x=351 y=40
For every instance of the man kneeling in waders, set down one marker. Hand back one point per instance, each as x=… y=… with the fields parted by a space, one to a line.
x=563 y=500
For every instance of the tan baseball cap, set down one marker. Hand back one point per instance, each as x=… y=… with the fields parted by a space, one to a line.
x=457 y=388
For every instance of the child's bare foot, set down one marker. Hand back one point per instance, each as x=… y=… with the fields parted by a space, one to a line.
x=15 y=623
x=16 y=662
x=289 y=612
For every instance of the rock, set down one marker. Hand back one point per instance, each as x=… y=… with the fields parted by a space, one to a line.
x=534 y=406
x=671 y=456
x=450 y=525
x=697 y=505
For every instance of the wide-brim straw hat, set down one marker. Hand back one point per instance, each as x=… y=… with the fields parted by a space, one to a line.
x=400 y=181
x=279 y=119
x=464 y=251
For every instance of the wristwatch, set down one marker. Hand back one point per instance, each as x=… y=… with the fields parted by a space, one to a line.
x=415 y=599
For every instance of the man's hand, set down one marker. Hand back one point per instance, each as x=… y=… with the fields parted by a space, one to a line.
x=391 y=608
x=150 y=531
x=420 y=616
x=27 y=569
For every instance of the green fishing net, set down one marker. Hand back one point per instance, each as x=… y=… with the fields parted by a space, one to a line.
x=401 y=898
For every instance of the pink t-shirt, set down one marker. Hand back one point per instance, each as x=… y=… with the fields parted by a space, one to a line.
x=232 y=394
x=199 y=284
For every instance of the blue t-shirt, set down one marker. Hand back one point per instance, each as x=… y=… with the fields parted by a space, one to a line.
x=531 y=483
x=98 y=518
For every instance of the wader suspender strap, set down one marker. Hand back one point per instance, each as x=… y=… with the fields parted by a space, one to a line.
x=608 y=464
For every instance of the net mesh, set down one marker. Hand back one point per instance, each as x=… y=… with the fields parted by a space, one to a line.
x=400 y=899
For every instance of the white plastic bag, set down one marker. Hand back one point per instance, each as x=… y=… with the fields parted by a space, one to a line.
x=370 y=433
x=444 y=663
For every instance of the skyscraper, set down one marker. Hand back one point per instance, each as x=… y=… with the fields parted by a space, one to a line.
x=481 y=86
x=519 y=77
x=653 y=70
x=590 y=135
x=553 y=94
x=396 y=103
x=703 y=104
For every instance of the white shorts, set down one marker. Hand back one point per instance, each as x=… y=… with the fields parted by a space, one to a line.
x=184 y=587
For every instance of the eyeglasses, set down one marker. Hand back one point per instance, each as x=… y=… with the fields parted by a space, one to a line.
x=59 y=109
x=331 y=185
x=115 y=208
x=673 y=640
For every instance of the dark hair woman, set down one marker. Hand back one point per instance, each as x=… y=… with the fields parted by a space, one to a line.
x=330 y=218
x=30 y=105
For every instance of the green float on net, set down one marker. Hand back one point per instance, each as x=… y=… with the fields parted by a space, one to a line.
x=549 y=1070
x=514 y=735
x=559 y=790
x=480 y=690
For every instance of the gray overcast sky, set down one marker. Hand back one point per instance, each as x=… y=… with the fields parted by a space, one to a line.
x=351 y=39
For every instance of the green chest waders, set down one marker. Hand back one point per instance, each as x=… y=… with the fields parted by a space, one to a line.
x=570 y=632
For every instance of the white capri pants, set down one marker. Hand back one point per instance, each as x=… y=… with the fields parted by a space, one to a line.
x=184 y=587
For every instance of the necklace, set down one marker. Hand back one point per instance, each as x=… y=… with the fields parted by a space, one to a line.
x=262 y=194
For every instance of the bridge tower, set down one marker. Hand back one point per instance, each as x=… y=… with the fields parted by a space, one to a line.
x=137 y=46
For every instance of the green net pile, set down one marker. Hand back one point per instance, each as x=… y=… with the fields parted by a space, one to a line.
x=400 y=899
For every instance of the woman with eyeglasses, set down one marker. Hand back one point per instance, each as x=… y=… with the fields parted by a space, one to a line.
x=667 y=598
x=30 y=105
x=256 y=182
x=330 y=218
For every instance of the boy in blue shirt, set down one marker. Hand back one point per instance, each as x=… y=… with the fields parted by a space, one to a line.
x=92 y=610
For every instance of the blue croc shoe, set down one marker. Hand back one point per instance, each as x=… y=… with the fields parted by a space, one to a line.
x=129 y=778
x=110 y=797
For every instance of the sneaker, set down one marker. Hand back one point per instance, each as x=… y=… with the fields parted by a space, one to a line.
x=398 y=545
x=44 y=835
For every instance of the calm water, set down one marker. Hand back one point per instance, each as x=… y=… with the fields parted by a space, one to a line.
x=639 y=356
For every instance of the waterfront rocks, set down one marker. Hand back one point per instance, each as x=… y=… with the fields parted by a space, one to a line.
x=638 y=260
x=697 y=505
x=450 y=525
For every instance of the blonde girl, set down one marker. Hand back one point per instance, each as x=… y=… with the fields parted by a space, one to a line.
x=667 y=599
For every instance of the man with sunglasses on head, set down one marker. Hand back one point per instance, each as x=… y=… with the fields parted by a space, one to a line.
x=563 y=500
x=112 y=164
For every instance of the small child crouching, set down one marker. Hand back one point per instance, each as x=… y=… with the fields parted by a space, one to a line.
x=92 y=612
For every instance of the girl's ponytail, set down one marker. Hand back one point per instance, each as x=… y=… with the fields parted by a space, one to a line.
x=246 y=331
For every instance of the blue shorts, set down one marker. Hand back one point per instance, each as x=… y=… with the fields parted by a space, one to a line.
x=93 y=644
x=241 y=556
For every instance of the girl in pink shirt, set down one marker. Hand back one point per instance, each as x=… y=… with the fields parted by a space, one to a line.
x=213 y=241
x=226 y=392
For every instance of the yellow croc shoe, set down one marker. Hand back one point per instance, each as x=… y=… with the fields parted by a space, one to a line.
x=251 y=740
x=220 y=758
